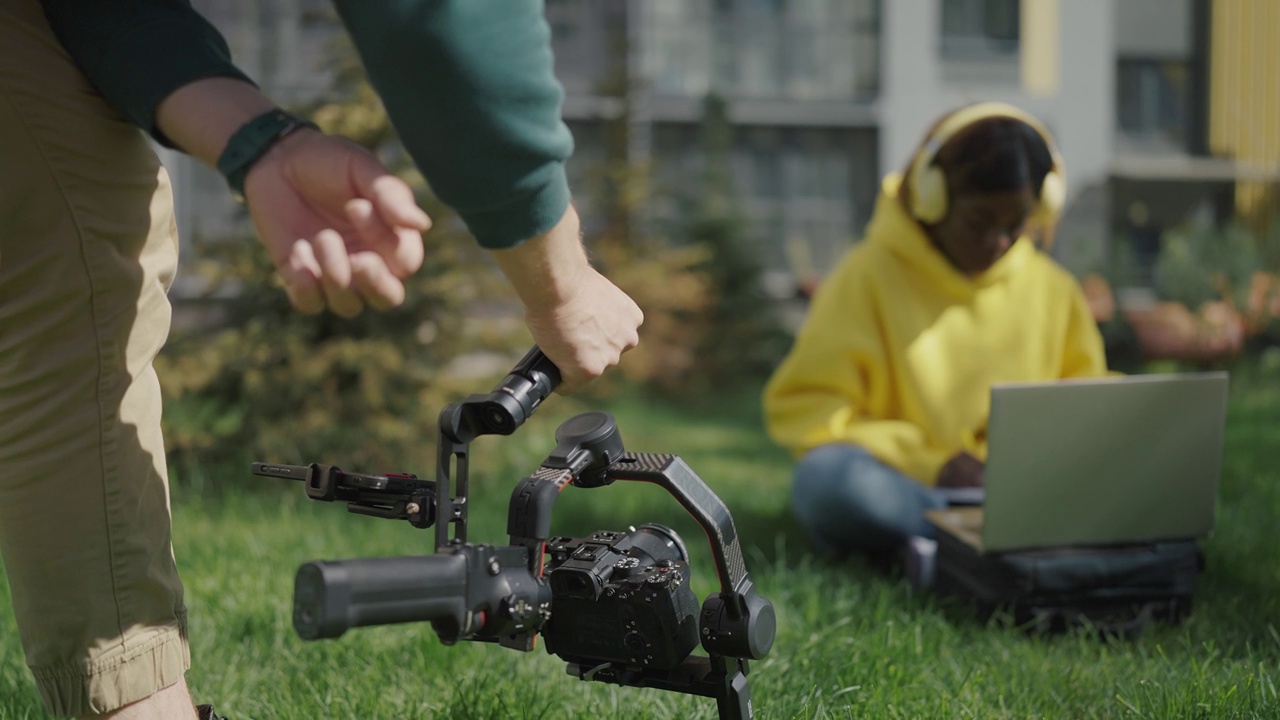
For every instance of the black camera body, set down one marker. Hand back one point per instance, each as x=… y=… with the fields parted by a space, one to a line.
x=620 y=597
x=616 y=606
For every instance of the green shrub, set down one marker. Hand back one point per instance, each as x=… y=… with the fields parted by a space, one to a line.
x=744 y=338
x=1199 y=263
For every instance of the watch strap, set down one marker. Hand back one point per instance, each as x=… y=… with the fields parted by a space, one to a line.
x=248 y=144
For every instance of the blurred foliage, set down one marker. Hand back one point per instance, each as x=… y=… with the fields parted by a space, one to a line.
x=266 y=382
x=1210 y=295
x=746 y=339
x=709 y=325
x=1199 y=263
x=675 y=296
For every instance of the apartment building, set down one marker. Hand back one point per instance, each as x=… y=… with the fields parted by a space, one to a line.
x=1160 y=107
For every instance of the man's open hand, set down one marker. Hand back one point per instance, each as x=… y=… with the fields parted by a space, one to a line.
x=342 y=231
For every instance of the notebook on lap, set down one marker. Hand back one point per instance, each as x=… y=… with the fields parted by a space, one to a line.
x=1098 y=461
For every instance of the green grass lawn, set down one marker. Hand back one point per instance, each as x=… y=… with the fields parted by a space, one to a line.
x=852 y=642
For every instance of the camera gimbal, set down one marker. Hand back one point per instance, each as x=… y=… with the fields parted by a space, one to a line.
x=616 y=606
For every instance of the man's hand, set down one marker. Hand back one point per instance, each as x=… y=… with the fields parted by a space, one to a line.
x=587 y=333
x=583 y=322
x=342 y=231
x=962 y=470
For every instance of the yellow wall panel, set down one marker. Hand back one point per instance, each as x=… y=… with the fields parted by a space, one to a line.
x=1244 y=82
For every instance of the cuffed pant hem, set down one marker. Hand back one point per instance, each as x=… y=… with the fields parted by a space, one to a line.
x=75 y=689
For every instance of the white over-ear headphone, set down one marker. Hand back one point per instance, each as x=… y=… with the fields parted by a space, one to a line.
x=929 y=183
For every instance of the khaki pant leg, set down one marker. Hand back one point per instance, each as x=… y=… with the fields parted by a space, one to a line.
x=87 y=252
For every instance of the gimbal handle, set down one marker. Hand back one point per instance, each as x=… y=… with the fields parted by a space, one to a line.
x=497 y=412
x=505 y=408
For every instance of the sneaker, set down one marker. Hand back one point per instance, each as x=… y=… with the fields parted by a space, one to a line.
x=205 y=712
x=918 y=561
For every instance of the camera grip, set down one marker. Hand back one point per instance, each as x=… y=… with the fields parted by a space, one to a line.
x=505 y=408
x=331 y=597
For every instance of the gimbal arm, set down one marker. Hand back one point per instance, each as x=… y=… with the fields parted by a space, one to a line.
x=737 y=621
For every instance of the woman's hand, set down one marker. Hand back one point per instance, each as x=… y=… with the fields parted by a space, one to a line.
x=962 y=470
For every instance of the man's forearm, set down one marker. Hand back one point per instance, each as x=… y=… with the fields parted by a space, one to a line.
x=547 y=269
x=581 y=320
x=200 y=117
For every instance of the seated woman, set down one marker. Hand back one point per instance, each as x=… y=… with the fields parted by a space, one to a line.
x=884 y=395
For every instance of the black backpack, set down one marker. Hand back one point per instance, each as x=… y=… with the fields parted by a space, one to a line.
x=1114 y=589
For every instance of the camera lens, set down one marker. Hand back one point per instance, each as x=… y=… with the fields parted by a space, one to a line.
x=660 y=543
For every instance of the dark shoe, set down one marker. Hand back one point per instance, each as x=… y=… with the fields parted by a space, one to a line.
x=206 y=713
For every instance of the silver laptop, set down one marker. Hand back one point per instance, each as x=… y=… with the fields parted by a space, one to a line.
x=1098 y=461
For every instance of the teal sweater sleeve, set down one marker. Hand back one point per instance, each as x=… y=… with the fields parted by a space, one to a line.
x=470 y=87
x=468 y=84
x=136 y=52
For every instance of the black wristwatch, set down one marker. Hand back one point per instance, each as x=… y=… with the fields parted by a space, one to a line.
x=248 y=144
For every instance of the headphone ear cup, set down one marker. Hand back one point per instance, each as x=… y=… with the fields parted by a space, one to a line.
x=930 y=201
x=1053 y=194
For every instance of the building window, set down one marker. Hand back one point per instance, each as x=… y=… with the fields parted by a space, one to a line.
x=678 y=48
x=806 y=193
x=764 y=49
x=584 y=37
x=980 y=28
x=1151 y=102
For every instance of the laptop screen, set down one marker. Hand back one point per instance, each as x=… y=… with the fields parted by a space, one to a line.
x=1103 y=461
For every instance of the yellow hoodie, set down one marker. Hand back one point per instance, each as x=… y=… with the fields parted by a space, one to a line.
x=899 y=349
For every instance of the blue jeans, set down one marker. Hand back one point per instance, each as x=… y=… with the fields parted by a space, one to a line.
x=849 y=501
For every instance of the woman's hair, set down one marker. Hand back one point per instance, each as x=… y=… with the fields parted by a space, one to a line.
x=997 y=154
